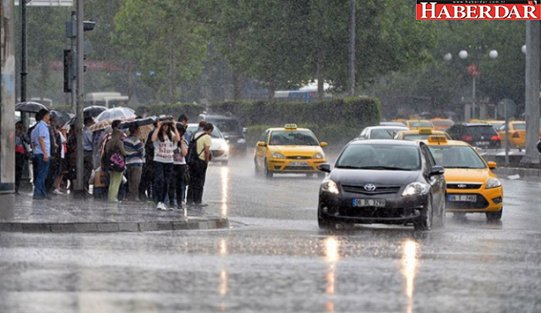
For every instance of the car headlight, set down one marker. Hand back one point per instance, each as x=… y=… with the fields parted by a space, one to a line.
x=330 y=186
x=416 y=188
x=493 y=183
x=318 y=156
x=278 y=155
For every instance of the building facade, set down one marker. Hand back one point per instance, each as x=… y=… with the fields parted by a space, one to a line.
x=7 y=98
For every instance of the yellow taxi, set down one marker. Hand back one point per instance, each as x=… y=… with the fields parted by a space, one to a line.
x=472 y=186
x=420 y=134
x=417 y=124
x=517 y=134
x=442 y=123
x=289 y=149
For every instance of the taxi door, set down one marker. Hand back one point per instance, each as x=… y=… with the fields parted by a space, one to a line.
x=261 y=150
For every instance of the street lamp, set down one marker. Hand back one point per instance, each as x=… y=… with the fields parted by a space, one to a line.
x=473 y=71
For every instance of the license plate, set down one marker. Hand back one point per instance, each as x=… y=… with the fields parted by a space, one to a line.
x=483 y=143
x=378 y=203
x=462 y=198
x=298 y=164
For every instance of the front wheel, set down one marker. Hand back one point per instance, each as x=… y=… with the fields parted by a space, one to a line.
x=424 y=222
x=494 y=216
x=322 y=222
x=268 y=173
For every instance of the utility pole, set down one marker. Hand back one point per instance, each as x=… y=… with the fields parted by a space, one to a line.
x=24 y=73
x=352 y=30
x=79 y=186
x=532 y=92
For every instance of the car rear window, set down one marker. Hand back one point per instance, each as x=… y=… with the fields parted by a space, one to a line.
x=383 y=133
x=380 y=157
x=481 y=130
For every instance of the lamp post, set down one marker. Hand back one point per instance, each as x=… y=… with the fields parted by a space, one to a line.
x=474 y=72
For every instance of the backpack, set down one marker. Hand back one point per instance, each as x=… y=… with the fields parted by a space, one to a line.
x=192 y=155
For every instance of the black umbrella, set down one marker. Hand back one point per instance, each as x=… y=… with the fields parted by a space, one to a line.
x=30 y=106
x=138 y=122
x=60 y=117
x=93 y=111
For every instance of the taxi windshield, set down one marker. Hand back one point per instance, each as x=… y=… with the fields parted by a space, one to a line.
x=380 y=157
x=293 y=137
x=457 y=157
x=416 y=136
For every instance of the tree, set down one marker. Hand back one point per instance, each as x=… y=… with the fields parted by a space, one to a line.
x=166 y=45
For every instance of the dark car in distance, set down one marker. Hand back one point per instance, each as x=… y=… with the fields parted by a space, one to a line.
x=231 y=128
x=383 y=181
x=476 y=134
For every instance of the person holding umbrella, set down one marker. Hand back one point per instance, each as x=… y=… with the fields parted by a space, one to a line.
x=114 y=161
x=41 y=146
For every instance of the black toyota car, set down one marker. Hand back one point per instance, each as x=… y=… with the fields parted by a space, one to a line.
x=383 y=181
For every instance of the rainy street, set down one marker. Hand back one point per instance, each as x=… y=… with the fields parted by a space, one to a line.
x=275 y=259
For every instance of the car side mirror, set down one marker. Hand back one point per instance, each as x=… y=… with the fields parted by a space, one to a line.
x=226 y=138
x=324 y=167
x=323 y=144
x=491 y=165
x=436 y=170
x=261 y=144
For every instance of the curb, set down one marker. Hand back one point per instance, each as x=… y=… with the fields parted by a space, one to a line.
x=113 y=227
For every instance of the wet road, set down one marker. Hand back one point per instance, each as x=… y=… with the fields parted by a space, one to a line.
x=275 y=259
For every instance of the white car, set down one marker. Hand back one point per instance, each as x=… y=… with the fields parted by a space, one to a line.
x=218 y=147
x=381 y=132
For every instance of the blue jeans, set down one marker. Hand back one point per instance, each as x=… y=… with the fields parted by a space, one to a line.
x=42 y=171
x=162 y=176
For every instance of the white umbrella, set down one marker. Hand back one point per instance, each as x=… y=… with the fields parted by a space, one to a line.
x=108 y=116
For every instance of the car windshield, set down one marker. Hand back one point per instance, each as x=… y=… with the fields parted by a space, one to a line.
x=457 y=157
x=519 y=126
x=192 y=128
x=416 y=136
x=380 y=157
x=420 y=124
x=226 y=125
x=293 y=137
x=388 y=133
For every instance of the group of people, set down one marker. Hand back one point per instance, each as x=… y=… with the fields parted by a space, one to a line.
x=161 y=163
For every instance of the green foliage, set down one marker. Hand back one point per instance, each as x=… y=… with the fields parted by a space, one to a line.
x=337 y=120
x=163 y=41
x=175 y=110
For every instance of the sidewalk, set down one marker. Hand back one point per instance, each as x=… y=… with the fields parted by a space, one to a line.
x=518 y=173
x=64 y=214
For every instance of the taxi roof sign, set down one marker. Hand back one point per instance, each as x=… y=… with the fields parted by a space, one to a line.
x=425 y=131
x=437 y=139
x=290 y=126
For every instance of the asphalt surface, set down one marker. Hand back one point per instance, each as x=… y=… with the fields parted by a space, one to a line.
x=273 y=258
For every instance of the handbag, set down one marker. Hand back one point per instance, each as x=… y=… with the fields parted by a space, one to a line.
x=116 y=162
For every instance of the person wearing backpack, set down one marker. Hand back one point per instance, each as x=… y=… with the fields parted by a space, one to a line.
x=115 y=154
x=198 y=163
x=165 y=139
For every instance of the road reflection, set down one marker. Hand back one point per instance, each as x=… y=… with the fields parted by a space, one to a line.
x=409 y=269
x=332 y=257
x=224 y=177
x=223 y=282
